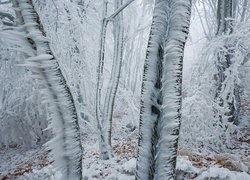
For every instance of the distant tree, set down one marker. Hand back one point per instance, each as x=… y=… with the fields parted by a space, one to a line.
x=225 y=26
x=218 y=79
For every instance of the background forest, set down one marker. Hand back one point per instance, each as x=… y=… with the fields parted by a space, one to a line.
x=93 y=89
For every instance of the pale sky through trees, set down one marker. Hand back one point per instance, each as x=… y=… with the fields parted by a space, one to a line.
x=196 y=40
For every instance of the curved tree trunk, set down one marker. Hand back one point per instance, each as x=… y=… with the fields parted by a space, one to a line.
x=66 y=145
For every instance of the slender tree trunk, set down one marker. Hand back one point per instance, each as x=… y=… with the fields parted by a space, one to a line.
x=224 y=11
x=104 y=146
x=243 y=15
x=161 y=90
x=115 y=73
x=104 y=139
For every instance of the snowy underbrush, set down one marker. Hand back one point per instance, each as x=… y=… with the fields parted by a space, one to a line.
x=121 y=166
x=209 y=168
x=17 y=162
x=187 y=170
x=34 y=164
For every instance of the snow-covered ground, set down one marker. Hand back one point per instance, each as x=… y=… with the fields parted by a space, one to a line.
x=34 y=164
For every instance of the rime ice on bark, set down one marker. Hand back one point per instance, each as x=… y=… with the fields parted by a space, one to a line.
x=161 y=90
x=66 y=146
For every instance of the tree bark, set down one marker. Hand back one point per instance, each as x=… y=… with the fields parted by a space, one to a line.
x=161 y=90
x=66 y=145
x=104 y=123
x=225 y=26
x=115 y=73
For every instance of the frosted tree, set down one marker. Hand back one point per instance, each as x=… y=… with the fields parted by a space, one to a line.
x=229 y=14
x=31 y=39
x=205 y=83
x=104 y=122
x=225 y=26
x=224 y=16
x=115 y=73
x=161 y=90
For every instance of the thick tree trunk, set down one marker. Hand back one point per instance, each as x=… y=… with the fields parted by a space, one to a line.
x=151 y=98
x=161 y=90
x=169 y=124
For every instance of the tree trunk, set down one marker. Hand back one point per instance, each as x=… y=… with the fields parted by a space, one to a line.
x=66 y=145
x=161 y=90
x=104 y=126
x=150 y=110
x=224 y=13
x=115 y=73
x=169 y=124
x=103 y=144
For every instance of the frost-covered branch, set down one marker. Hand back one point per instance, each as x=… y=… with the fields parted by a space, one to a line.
x=10 y=21
x=120 y=9
x=57 y=13
x=224 y=62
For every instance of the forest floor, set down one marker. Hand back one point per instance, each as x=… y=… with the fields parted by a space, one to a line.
x=34 y=164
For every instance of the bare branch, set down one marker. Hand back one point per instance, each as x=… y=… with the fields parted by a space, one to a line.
x=112 y=16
